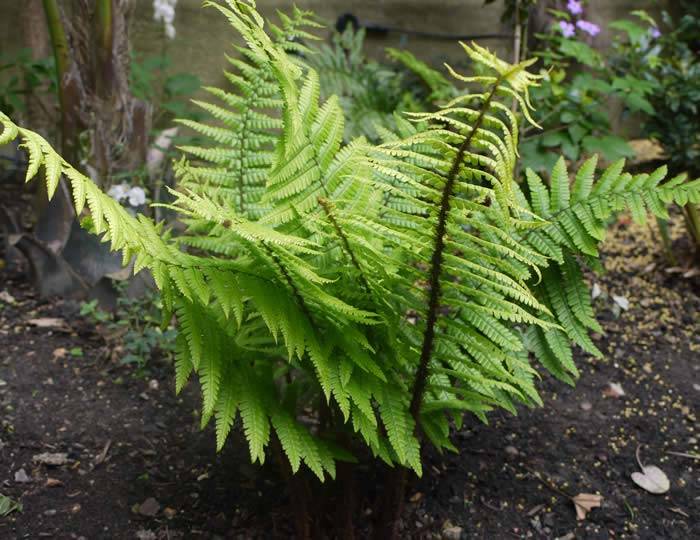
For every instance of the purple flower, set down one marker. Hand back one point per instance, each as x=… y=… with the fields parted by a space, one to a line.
x=574 y=7
x=588 y=27
x=654 y=32
x=567 y=29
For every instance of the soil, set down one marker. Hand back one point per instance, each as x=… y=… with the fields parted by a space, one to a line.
x=130 y=439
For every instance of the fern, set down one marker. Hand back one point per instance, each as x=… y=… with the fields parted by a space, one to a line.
x=331 y=290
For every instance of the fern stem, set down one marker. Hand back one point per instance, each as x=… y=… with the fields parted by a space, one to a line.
x=326 y=205
x=299 y=492
x=436 y=261
x=290 y=282
x=241 y=187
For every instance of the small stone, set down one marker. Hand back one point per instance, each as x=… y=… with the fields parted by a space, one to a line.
x=586 y=406
x=75 y=508
x=149 y=507
x=53 y=482
x=51 y=512
x=452 y=532
x=153 y=384
x=621 y=301
x=511 y=451
x=614 y=390
x=21 y=477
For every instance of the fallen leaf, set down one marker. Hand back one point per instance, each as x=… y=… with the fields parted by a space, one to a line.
x=614 y=390
x=50 y=322
x=417 y=496
x=169 y=513
x=53 y=482
x=51 y=459
x=60 y=353
x=652 y=479
x=621 y=301
x=149 y=507
x=585 y=502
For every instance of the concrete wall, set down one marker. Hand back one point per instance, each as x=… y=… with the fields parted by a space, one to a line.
x=447 y=16
x=203 y=35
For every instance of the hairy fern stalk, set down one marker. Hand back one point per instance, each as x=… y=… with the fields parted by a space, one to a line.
x=335 y=294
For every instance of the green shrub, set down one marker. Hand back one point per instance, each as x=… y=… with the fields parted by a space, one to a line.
x=337 y=295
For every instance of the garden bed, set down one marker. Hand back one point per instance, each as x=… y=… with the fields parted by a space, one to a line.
x=128 y=440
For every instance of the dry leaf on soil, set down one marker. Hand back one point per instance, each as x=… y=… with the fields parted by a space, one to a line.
x=652 y=479
x=585 y=502
x=49 y=322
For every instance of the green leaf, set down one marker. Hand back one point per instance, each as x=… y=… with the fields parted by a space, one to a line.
x=609 y=146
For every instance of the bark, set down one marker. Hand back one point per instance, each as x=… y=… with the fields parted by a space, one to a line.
x=36 y=38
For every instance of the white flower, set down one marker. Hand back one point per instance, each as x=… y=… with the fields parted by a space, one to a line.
x=164 y=11
x=137 y=196
x=118 y=192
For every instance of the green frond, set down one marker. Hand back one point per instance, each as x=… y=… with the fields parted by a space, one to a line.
x=256 y=424
x=227 y=406
x=404 y=283
x=400 y=428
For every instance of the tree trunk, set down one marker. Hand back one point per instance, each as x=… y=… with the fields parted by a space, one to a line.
x=36 y=39
x=392 y=503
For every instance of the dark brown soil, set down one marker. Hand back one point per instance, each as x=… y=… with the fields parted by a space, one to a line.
x=513 y=478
